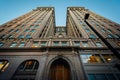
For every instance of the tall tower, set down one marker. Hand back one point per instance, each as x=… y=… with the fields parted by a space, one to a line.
x=32 y=47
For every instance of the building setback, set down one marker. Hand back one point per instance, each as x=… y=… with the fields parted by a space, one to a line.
x=32 y=47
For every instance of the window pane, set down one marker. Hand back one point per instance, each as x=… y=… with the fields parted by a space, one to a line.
x=13 y=44
x=1 y=44
x=91 y=77
x=21 y=36
x=27 y=30
x=43 y=43
x=76 y=43
x=64 y=43
x=101 y=77
x=110 y=77
x=110 y=36
x=10 y=36
x=35 y=44
x=22 y=44
x=56 y=43
x=99 y=44
x=85 y=44
x=92 y=36
x=87 y=30
x=98 y=58
x=3 y=36
x=33 y=30
x=3 y=65
x=28 y=36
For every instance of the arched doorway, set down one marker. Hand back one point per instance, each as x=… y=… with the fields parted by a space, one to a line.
x=59 y=70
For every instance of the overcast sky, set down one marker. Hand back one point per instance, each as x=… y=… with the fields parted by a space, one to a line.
x=10 y=9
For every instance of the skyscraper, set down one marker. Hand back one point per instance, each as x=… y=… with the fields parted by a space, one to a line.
x=32 y=47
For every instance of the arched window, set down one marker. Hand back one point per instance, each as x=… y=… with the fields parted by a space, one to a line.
x=26 y=71
x=3 y=65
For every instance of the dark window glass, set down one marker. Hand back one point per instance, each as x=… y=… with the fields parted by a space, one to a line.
x=28 y=36
x=100 y=77
x=110 y=77
x=1 y=44
x=91 y=77
x=92 y=36
x=3 y=65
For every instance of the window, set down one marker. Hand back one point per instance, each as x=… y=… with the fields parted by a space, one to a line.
x=35 y=44
x=17 y=30
x=25 y=70
x=56 y=43
x=27 y=30
x=91 y=77
x=109 y=30
x=100 y=77
x=28 y=36
x=87 y=30
x=3 y=36
x=85 y=44
x=91 y=58
x=22 y=44
x=33 y=30
x=11 y=30
x=110 y=77
x=76 y=43
x=1 y=44
x=21 y=36
x=110 y=36
x=43 y=43
x=103 y=30
x=10 y=36
x=92 y=36
x=116 y=36
x=36 y=26
x=99 y=44
x=64 y=43
x=3 y=65
x=109 y=58
x=13 y=44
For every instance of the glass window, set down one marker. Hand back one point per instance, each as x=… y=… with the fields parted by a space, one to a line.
x=99 y=44
x=103 y=30
x=109 y=30
x=43 y=43
x=35 y=44
x=27 y=68
x=64 y=43
x=110 y=77
x=92 y=36
x=3 y=36
x=3 y=65
x=10 y=36
x=85 y=44
x=33 y=30
x=22 y=44
x=56 y=43
x=28 y=36
x=36 y=26
x=1 y=44
x=100 y=77
x=109 y=58
x=116 y=36
x=76 y=43
x=11 y=30
x=21 y=36
x=91 y=58
x=13 y=44
x=87 y=30
x=91 y=77
x=110 y=36
x=27 y=30
x=17 y=30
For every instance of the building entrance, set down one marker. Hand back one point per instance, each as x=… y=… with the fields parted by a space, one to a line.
x=59 y=70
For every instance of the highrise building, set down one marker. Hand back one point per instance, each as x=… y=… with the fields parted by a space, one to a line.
x=32 y=47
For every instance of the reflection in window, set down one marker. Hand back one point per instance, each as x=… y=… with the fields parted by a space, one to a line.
x=33 y=30
x=56 y=43
x=22 y=44
x=85 y=44
x=13 y=44
x=87 y=30
x=28 y=36
x=76 y=43
x=21 y=36
x=91 y=77
x=2 y=36
x=10 y=36
x=1 y=44
x=27 y=68
x=3 y=65
x=35 y=44
x=99 y=44
x=92 y=36
x=17 y=30
x=109 y=58
x=101 y=77
x=43 y=43
x=110 y=36
x=27 y=30
x=116 y=36
x=91 y=58
x=64 y=43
